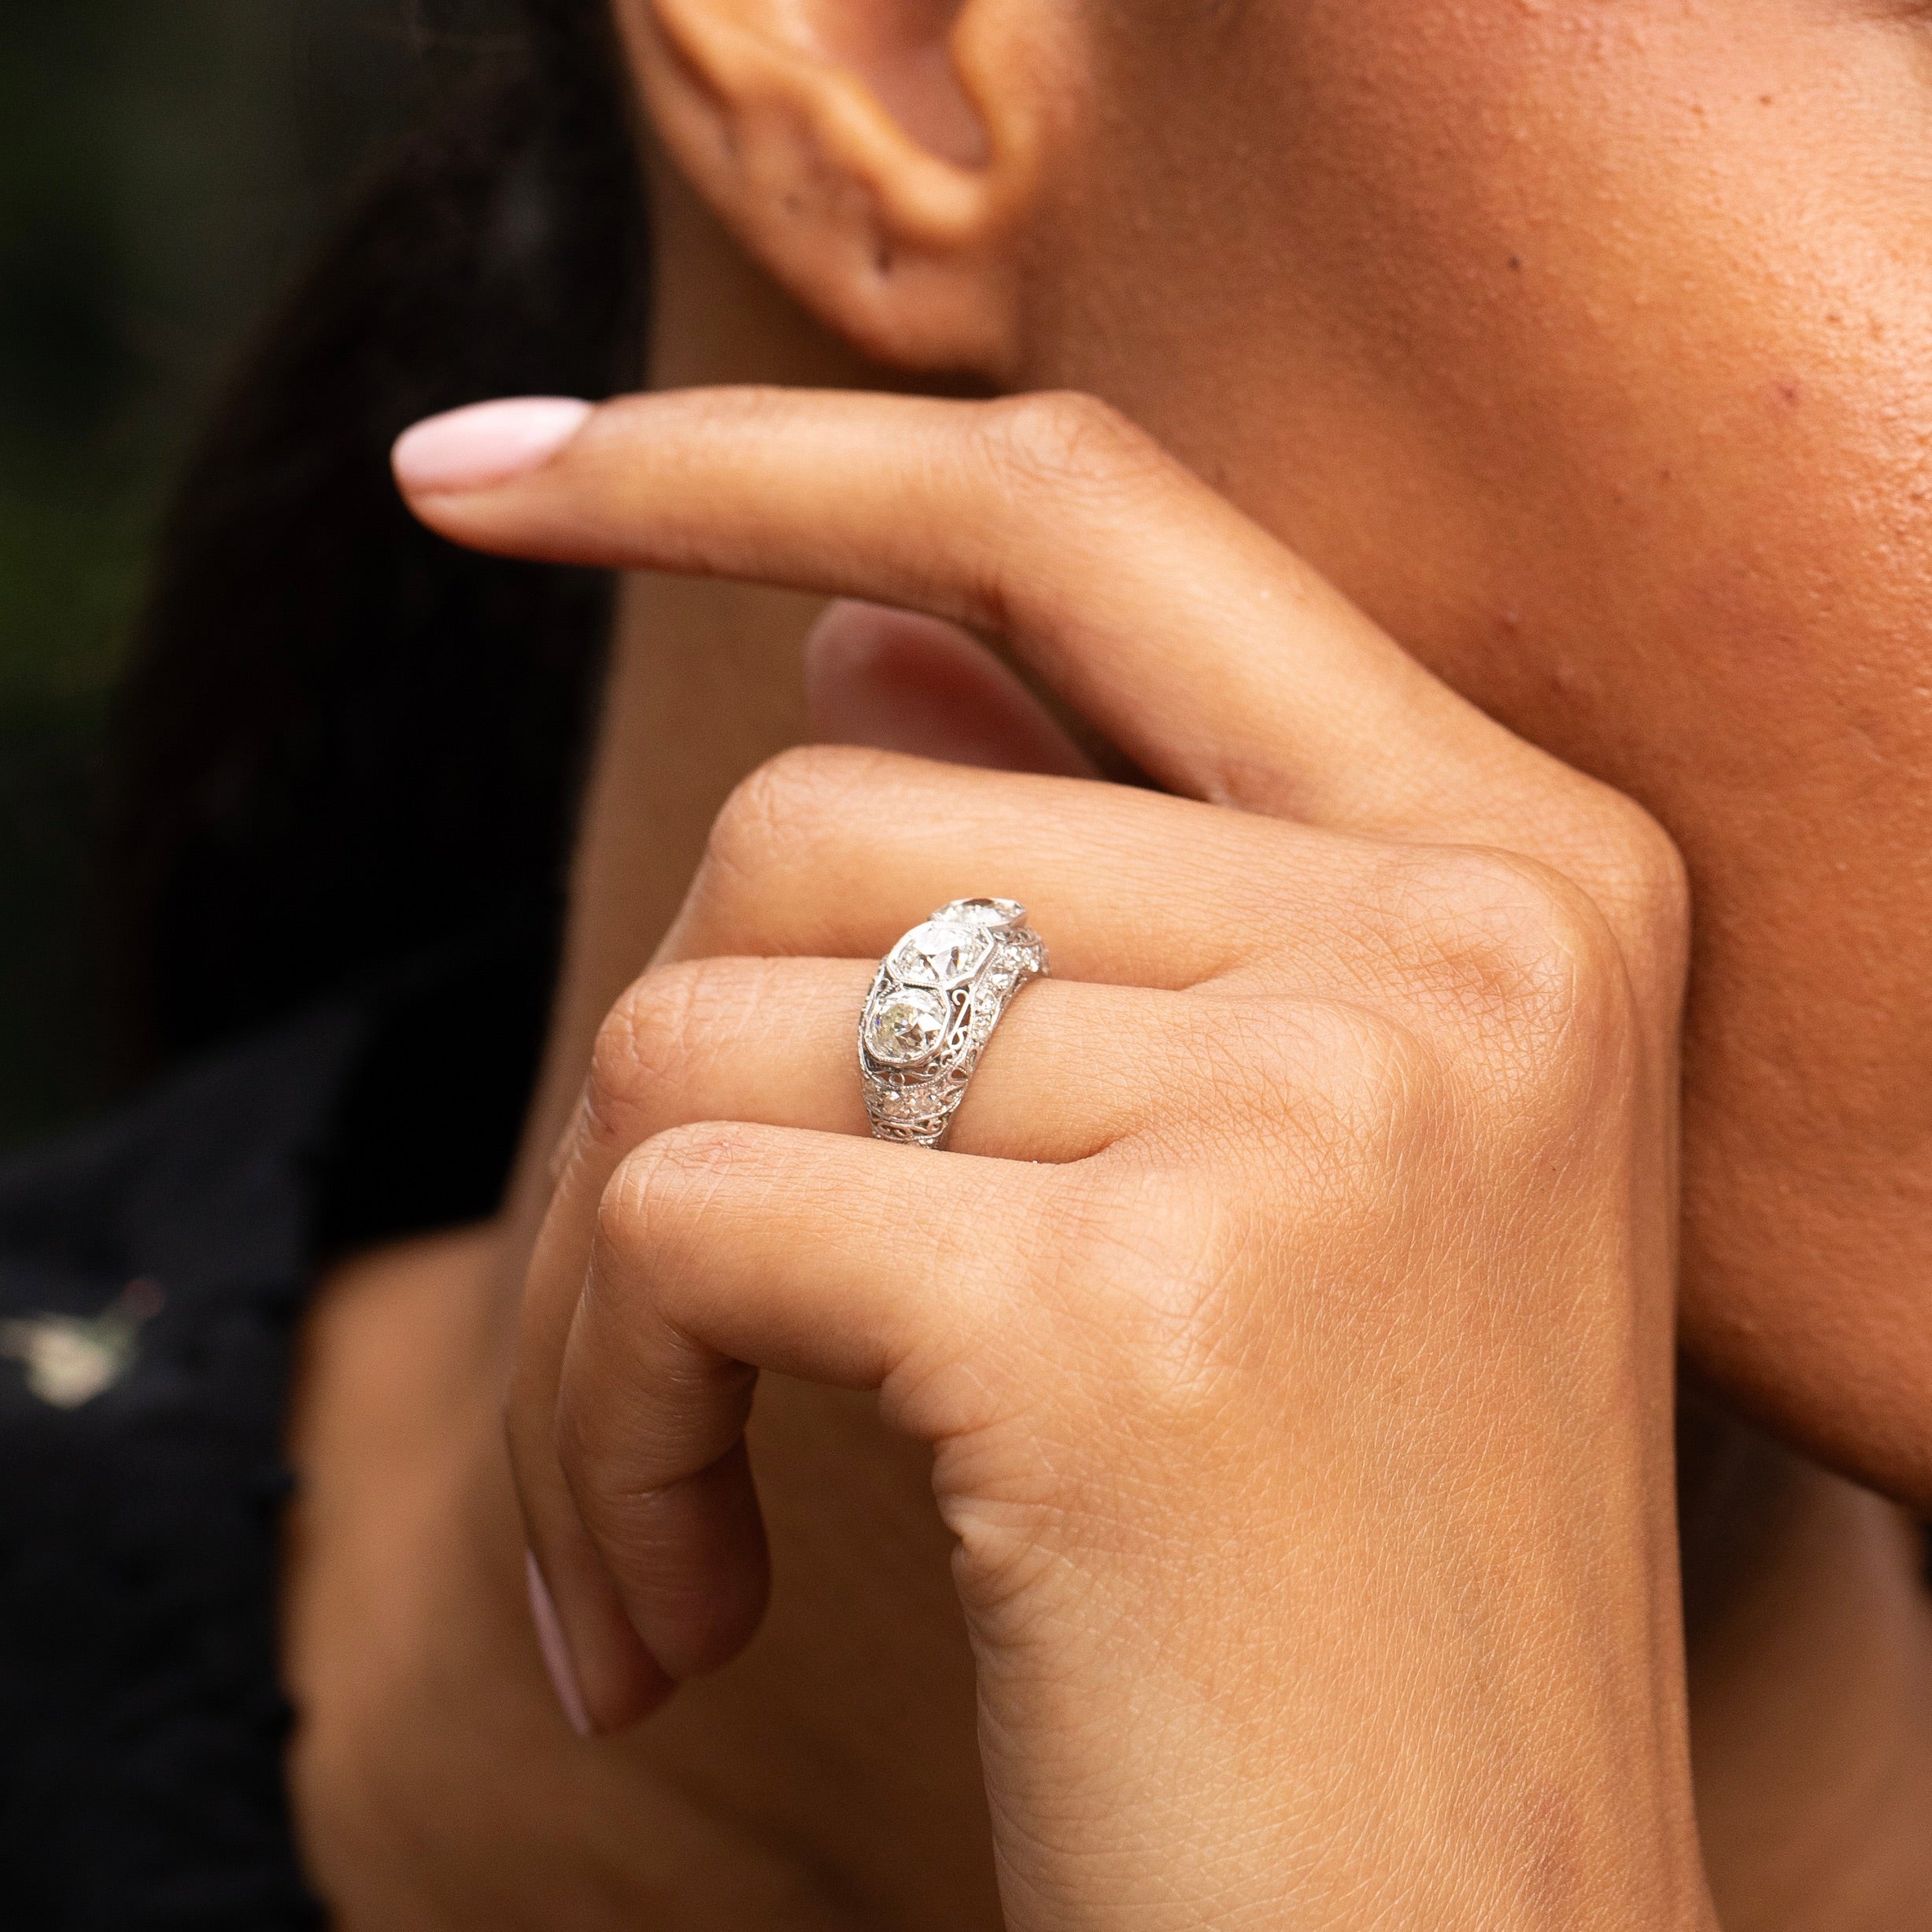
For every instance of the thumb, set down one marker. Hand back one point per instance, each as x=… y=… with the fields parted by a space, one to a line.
x=900 y=682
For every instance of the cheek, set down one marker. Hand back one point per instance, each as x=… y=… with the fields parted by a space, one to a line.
x=1788 y=741
x=1590 y=349
x=1702 y=573
x=1714 y=593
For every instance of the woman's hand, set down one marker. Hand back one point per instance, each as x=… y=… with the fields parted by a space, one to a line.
x=1292 y=1320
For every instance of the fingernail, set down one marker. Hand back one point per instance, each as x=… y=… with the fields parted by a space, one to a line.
x=489 y=442
x=556 y=1653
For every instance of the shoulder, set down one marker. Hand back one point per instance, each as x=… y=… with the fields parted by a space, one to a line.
x=151 y=1267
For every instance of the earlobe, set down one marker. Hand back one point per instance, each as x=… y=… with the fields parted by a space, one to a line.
x=840 y=141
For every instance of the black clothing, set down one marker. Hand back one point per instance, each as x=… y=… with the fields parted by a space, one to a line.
x=152 y=1269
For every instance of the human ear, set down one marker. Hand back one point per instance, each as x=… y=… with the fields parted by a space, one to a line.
x=874 y=156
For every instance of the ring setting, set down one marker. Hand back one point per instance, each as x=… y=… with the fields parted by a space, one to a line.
x=934 y=1002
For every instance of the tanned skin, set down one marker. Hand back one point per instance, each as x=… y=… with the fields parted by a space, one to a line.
x=1579 y=352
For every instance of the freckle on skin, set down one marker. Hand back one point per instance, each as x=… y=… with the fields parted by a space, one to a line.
x=1790 y=391
x=1515 y=261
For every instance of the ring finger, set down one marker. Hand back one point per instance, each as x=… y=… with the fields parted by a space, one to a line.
x=774 y=1041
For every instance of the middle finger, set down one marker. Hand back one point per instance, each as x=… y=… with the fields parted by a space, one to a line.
x=834 y=851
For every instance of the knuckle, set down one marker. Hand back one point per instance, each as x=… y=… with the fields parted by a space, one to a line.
x=1139 y=1238
x=1645 y=877
x=1057 y=442
x=640 y=1048
x=1051 y=459
x=1170 y=1252
x=1380 y=1076
x=1344 y=1080
x=1351 y=1116
x=657 y=1040
x=660 y=1189
x=1510 y=943
x=1630 y=867
x=1366 y=1111
x=760 y=825
x=1364 y=1090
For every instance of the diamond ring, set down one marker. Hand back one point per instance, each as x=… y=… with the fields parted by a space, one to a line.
x=933 y=1005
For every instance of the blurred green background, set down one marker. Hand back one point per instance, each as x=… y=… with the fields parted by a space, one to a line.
x=166 y=163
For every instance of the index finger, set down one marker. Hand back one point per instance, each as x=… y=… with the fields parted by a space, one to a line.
x=1223 y=664
x=1218 y=660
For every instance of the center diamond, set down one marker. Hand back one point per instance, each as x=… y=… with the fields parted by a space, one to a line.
x=904 y=1025
x=941 y=954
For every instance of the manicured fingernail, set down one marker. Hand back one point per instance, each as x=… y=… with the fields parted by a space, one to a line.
x=556 y=1653
x=488 y=443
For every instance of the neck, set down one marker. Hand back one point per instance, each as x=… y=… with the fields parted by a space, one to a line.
x=703 y=684
x=1811 y=1701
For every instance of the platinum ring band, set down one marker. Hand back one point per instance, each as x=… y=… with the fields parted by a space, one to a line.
x=934 y=1002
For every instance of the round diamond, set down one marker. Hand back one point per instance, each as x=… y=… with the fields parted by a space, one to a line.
x=941 y=953
x=903 y=1026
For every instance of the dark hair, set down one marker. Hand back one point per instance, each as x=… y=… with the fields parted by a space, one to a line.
x=346 y=752
x=343 y=741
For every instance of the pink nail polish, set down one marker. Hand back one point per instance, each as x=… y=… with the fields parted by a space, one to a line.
x=556 y=1653
x=488 y=443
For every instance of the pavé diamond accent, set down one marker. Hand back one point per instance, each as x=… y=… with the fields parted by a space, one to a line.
x=984 y=912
